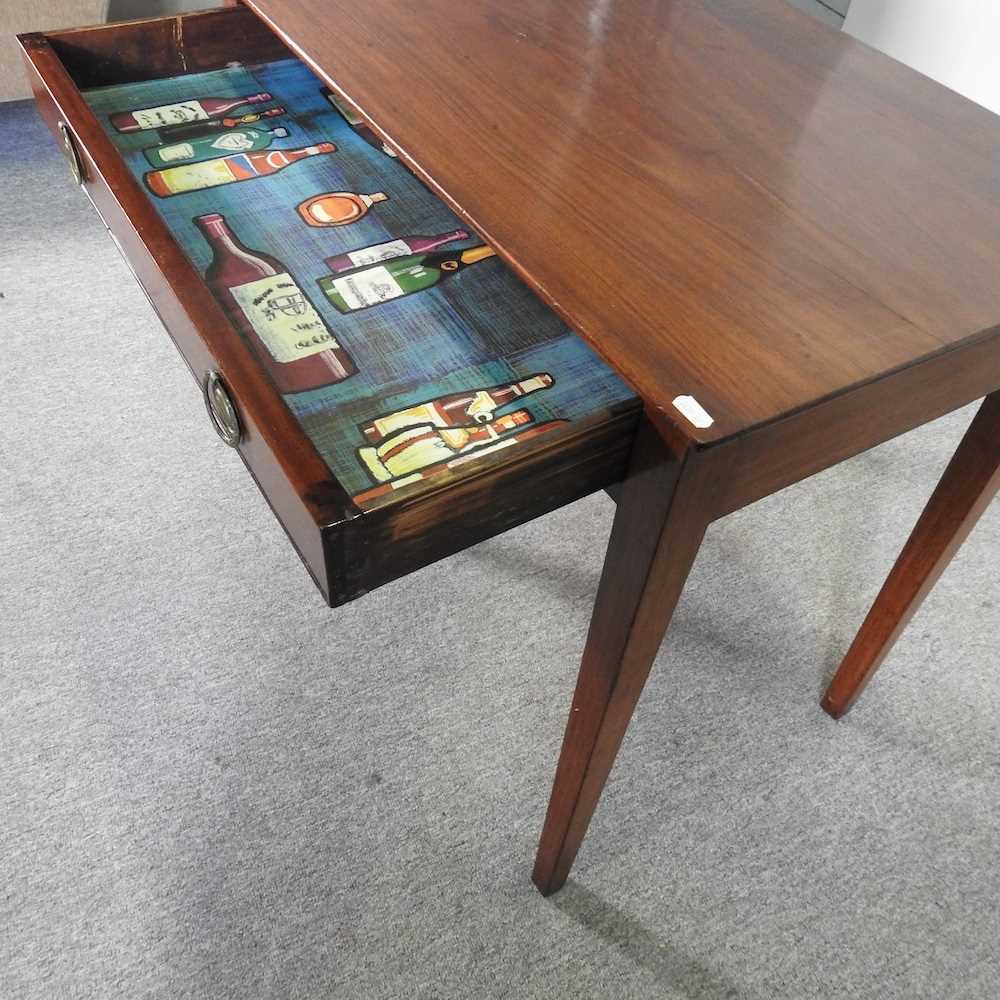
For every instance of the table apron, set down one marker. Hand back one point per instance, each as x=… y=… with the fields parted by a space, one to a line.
x=767 y=459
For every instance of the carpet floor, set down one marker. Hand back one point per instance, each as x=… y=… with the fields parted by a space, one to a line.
x=214 y=787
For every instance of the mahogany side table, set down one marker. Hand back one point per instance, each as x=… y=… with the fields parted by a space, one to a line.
x=788 y=244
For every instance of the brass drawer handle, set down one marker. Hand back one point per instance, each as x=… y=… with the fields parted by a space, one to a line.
x=221 y=410
x=71 y=153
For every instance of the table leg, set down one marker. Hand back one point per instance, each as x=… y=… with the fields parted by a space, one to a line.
x=969 y=484
x=658 y=528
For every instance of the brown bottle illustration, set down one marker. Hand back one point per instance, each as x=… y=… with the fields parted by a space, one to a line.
x=470 y=407
x=366 y=498
x=413 y=448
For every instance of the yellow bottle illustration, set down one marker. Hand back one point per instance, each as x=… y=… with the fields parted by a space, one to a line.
x=414 y=448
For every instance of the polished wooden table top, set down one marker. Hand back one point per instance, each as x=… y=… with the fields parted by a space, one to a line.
x=726 y=197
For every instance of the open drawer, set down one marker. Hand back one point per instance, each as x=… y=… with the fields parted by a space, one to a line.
x=395 y=390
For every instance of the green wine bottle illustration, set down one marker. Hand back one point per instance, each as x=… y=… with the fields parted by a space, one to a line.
x=391 y=279
x=237 y=140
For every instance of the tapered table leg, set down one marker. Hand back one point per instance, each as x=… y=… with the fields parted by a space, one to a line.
x=969 y=484
x=658 y=529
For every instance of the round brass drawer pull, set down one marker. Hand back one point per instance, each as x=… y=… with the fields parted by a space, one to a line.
x=71 y=153
x=221 y=410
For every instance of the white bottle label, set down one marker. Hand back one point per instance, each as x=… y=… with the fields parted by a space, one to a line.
x=195 y=176
x=368 y=288
x=233 y=142
x=283 y=318
x=532 y=384
x=424 y=413
x=170 y=114
x=178 y=151
x=381 y=251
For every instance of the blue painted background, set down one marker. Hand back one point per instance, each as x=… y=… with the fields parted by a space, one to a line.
x=480 y=328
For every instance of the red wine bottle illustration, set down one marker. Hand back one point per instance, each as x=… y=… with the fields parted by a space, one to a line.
x=267 y=305
x=182 y=111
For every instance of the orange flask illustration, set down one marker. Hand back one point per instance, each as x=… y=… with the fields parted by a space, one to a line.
x=338 y=208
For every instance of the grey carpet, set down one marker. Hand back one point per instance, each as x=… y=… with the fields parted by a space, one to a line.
x=214 y=787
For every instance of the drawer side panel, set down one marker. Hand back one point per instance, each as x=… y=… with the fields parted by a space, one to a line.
x=282 y=461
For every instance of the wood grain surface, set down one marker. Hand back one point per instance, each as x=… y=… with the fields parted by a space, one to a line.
x=726 y=198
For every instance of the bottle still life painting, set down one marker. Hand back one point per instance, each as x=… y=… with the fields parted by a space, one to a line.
x=406 y=349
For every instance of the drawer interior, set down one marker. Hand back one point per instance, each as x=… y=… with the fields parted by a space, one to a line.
x=408 y=354
x=159 y=47
x=443 y=353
